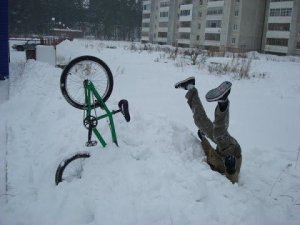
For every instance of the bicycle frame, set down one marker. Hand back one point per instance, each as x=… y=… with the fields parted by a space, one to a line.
x=89 y=92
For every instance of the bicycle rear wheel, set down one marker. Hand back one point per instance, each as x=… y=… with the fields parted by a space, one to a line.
x=71 y=168
x=81 y=69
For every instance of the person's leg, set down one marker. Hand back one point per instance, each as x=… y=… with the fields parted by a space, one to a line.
x=201 y=120
x=227 y=147
x=220 y=126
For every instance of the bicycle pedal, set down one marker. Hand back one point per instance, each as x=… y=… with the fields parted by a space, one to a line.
x=91 y=143
x=123 y=105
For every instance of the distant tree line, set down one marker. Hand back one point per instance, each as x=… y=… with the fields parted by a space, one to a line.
x=107 y=19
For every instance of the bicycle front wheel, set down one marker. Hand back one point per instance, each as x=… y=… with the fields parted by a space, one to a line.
x=81 y=69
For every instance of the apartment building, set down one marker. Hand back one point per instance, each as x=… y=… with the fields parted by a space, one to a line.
x=236 y=25
x=187 y=14
x=146 y=21
x=282 y=27
x=159 y=21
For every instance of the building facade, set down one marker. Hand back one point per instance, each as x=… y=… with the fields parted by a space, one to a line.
x=282 y=27
x=235 y=25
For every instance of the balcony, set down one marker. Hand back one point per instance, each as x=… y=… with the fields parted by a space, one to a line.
x=275 y=48
x=146 y=29
x=214 y=30
x=186 y=8
x=186 y=2
x=146 y=20
x=163 y=19
x=286 y=4
x=184 y=41
x=278 y=34
x=162 y=39
x=145 y=11
x=184 y=30
x=147 y=7
x=212 y=4
x=279 y=19
x=163 y=29
x=145 y=38
x=214 y=17
x=211 y=43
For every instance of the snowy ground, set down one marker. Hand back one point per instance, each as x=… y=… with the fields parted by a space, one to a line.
x=158 y=174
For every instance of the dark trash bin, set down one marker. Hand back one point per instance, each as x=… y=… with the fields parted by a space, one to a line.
x=31 y=54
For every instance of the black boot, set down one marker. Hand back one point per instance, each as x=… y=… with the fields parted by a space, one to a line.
x=219 y=93
x=185 y=83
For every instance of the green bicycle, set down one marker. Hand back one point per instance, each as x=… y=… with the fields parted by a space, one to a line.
x=78 y=84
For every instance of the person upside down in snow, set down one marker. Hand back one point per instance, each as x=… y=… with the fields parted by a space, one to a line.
x=227 y=158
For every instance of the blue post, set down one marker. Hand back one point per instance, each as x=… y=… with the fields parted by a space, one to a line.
x=4 y=50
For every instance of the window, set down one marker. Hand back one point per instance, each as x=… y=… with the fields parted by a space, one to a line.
x=298 y=45
x=199 y=26
x=162 y=34
x=146 y=7
x=146 y=16
x=185 y=24
x=215 y=11
x=235 y=26
x=198 y=37
x=164 y=14
x=286 y=12
x=213 y=23
x=185 y=12
x=279 y=26
x=185 y=36
x=212 y=37
x=277 y=41
x=274 y=12
x=236 y=13
x=233 y=40
x=145 y=34
x=164 y=4
x=281 y=12
x=163 y=24
x=146 y=25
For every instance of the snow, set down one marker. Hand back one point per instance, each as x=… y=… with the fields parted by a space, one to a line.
x=46 y=54
x=158 y=174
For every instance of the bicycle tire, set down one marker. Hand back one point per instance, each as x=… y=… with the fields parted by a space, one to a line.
x=70 y=72
x=63 y=165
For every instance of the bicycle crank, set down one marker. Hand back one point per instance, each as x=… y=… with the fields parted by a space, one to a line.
x=90 y=122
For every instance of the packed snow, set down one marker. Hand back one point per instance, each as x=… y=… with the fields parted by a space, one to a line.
x=158 y=174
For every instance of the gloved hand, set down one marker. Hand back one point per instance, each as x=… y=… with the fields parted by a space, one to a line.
x=230 y=164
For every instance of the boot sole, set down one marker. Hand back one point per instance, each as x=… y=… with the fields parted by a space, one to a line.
x=218 y=92
x=183 y=81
